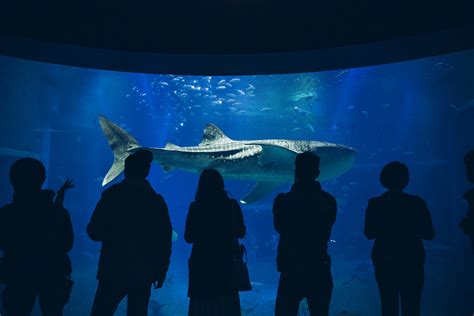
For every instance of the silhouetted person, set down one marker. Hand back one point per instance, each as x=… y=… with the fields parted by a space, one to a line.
x=35 y=235
x=132 y=222
x=399 y=222
x=304 y=218
x=467 y=223
x=213 y=225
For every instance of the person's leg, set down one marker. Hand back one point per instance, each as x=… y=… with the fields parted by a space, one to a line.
x=18 y=300
x=411 y=289
x=138 y=297
x=320 y=293
x=288 y=297
x=230 y=305
x=54 y=295
x=388 y=287
x=107 y=298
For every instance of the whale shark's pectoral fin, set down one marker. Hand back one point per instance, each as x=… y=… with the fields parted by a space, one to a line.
x=213 y=135
x=273 y=154
x=260 y=190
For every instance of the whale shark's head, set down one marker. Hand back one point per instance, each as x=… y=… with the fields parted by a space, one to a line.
x=335 y=159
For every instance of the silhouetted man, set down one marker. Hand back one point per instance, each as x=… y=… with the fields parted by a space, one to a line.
x=35 y=235
x=132 y=222
x=399 y=222
x=304 y=218
x=467 y=223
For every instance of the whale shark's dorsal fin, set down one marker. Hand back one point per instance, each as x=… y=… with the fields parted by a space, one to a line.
x=212 y=135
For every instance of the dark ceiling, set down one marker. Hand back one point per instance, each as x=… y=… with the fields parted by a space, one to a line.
x=304 y=35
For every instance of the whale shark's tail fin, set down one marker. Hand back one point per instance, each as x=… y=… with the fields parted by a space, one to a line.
x=121 y=143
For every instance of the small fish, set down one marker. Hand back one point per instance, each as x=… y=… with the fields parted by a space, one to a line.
x=231 y=95
x=230 y=101
x=365 y=114
x=251 y=87
x=228 y=85
x=99 y=179
x=240 y=92
x=221 y=87
x=454 y=108
x=220 y=83
x=342 y=74
x=442 y=65
x=351 y=107
x=296 y=129
x=163 y=83
x=266 y=109
x=256 y=283
x=234 y=80
x=174 y=236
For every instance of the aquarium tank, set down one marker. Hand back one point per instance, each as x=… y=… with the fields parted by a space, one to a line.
x=420 y=112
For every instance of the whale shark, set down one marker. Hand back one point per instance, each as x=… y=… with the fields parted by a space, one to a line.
x=269 y=162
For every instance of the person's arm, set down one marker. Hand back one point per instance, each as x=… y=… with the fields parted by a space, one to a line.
x=277 y=213
x=370 y=229
x=59 y=200
x=467 y=222
x=333 y=211
x=97 y=228
x=164 y=239
x=239 y=225
x=427 y=231
x=2 y=229
x=188 y=231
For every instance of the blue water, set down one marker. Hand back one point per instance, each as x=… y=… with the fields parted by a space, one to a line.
x=420 y=112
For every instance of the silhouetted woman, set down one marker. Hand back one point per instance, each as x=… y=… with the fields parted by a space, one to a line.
x=213 y=225
x=399 y=222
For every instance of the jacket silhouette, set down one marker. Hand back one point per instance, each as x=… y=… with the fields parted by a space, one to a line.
x=35 y=236
x=213 y=225
x=398 y=222
x=132 y=222
x=304 y=218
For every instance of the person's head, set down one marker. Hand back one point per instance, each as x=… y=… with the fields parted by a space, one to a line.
x=211 y=185
x=395 y=176
x=27 y=175
x=137 y=165
x=306 y=167
x=469 y=163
